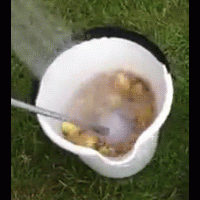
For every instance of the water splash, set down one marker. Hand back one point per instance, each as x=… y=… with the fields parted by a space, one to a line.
x=120 y=128
x=37 y=37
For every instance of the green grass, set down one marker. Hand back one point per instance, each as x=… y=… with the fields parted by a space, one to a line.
x=39 y=170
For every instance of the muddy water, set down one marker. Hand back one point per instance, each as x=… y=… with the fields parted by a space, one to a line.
x=119 y=100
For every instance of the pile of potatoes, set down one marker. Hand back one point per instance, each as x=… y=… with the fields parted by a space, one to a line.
x=107 y=92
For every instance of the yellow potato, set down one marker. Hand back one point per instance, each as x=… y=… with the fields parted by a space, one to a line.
x=107 y=150
x=74 y=138
x=88 y=139
x=122 y=82
x=69 y=128
x=144 y=117
x=137 y=89
x=73 y=134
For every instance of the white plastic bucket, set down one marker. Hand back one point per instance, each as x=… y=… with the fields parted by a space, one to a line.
x=79 y=64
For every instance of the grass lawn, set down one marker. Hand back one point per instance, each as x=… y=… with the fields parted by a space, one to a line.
x=39 y=170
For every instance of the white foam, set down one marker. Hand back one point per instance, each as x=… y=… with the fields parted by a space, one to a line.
x=119 y=128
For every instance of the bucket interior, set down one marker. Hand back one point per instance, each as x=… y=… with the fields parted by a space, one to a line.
x=74 y=67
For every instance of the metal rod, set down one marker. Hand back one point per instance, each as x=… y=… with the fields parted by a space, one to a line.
x=37 y=110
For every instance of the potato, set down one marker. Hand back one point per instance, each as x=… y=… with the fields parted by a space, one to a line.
x=70 y=129
x=73 y=134
x=122 y=82
x=107 y=150
x=88 y=139
x=144 y=117
x=137 y=89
